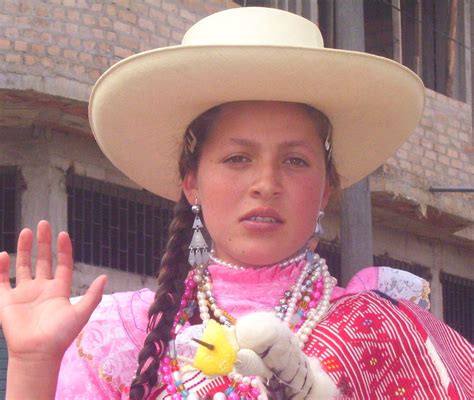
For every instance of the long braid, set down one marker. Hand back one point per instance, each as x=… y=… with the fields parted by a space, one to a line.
x=173 y=271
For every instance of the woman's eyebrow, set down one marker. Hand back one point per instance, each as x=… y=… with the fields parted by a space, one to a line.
x=243 y=142
x=285 y=144
x=297 y=143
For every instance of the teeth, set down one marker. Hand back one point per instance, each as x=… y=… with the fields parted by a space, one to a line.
x=263 y=219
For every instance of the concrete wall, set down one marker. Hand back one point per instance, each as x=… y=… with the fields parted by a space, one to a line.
x=438 y=153
x=469 y=43
x=433 y=253
x=44 y=157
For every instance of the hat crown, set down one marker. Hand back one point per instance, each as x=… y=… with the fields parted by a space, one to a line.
x=263 y=27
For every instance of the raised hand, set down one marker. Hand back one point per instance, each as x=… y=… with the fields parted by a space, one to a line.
x=38 y=321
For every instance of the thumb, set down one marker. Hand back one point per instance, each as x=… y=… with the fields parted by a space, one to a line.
x=91 y=299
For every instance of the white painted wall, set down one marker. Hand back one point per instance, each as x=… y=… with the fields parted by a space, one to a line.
x=44 y=158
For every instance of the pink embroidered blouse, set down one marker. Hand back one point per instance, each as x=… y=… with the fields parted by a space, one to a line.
x=378 y=344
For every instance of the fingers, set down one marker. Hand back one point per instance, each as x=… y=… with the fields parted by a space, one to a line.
x=4 y=270
x=64 y=259
x=23 y=256
x=44 y=258
x=91 y=299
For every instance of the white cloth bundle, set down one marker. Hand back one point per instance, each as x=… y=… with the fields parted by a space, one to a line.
x=267 y=347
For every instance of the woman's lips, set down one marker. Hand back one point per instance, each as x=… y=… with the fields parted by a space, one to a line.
x=262 y=220
x=262 y=215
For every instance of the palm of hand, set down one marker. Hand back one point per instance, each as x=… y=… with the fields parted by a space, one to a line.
x=37 y=318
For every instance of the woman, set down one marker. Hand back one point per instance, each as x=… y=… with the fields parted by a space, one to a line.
x=262 y=140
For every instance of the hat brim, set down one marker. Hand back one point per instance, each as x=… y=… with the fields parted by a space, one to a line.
x=140 y=108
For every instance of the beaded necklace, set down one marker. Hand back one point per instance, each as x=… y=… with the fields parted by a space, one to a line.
x=301 y=308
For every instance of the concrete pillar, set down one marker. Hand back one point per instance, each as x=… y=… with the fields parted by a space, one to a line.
x=356 y=230
x=397 y=32
x=310 y=10
x=44 y=196
x=356 y=213
x=436 y=296
x=349 y=24
x=469 y=54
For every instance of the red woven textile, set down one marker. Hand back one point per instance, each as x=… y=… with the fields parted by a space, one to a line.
x=375 y=347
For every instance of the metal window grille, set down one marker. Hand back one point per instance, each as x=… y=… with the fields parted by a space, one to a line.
x=332 y=254
x=116 y=227
x=3 y=365
x=458 y=304
x=416 y=269
x=10 y=183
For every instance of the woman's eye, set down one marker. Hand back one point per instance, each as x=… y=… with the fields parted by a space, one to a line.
x=237 y=159
x=296 y=162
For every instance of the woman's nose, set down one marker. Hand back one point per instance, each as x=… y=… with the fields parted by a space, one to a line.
x=267 y=181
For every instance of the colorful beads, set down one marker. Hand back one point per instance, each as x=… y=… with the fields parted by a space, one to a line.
x=239 y=388
x=187 y=304
x=165 y=369
x=308 y=300
x=171 y=388
x=301 y=307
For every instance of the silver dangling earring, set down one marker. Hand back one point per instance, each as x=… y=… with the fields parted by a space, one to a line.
x=318 y=231
x=198 y=254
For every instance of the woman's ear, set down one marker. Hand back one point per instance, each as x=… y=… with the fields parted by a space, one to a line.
x=190 y=189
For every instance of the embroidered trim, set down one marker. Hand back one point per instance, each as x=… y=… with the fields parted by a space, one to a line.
x=80 y=350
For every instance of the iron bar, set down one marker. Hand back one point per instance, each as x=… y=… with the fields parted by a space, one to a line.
x=451 y=189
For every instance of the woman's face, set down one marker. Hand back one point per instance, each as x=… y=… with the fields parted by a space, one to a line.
x=261 y=181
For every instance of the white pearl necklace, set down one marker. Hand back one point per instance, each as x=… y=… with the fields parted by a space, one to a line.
x=315 y=268
x=316 y=314
x=284 y=264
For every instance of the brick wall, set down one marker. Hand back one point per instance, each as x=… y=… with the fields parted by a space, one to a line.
x=438 y=153
x=42 y=42
x=60 y=47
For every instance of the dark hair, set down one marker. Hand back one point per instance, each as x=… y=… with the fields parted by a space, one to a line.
x=174 y=264
x=324 y=129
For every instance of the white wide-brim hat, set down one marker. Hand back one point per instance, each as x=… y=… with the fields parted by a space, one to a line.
x=140 y=108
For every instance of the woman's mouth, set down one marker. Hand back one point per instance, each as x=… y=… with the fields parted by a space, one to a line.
x=264 y=219
x=263 y=214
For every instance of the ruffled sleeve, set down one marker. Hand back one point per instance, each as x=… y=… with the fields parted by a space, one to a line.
x=395 y=283
x=101 y=362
